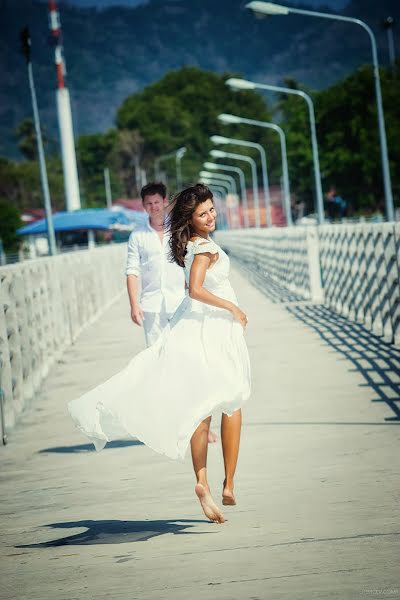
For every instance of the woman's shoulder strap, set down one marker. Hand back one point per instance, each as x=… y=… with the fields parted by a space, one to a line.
x=201 y=245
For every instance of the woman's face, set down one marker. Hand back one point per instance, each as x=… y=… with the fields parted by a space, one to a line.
x=203 y=218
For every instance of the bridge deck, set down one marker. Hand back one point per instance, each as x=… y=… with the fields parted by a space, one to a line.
x=317 y=514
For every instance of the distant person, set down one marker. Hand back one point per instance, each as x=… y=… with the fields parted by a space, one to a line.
x=336 y=205
x=200 y=364
x=162 y=282
x=298 y=209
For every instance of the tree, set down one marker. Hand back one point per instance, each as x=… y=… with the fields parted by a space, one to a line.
x=10 y=221
x=126 y=157
x=93 y=155
x=20 y=183
x=292 y=111
x=26 y=136
x=349 y=147
x=182 y=109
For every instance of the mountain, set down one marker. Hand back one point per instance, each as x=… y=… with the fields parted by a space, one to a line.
x=113 y=52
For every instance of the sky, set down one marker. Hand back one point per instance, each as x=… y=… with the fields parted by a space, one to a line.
x=104 y=3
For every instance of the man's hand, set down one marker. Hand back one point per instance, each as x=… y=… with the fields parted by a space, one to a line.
x=137 y=315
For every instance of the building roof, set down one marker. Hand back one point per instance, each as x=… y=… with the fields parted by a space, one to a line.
x=132 y=203
x=89 y=218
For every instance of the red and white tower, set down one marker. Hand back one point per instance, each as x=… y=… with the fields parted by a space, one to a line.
x=71 y=182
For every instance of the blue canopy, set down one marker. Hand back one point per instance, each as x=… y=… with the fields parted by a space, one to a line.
x=89 y=218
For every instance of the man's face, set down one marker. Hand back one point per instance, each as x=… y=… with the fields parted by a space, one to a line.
x=154 y=205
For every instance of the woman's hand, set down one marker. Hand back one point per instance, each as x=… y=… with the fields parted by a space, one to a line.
x=239 y=315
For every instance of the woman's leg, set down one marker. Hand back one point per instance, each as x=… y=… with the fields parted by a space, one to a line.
x=230 y=438
x=199 y=447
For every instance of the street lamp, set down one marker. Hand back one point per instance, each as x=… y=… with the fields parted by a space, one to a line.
x=216 y=181
x=26 y=49
x=219 y=194
x=388 y=24
x=242 y=179
x=228 y=178
x=252 y=163
x=233 y=200
x=220 y=181
x=157 y=162
x=219 y=139
x=233 y=119
x=243 y=84
x=215 y=188
x=178 y=155
x=270 y=8
x=224 y=188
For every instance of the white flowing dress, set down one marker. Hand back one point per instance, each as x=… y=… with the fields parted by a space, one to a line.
x=199 y=365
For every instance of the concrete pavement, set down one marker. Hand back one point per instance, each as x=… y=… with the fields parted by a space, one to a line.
x=317 y=481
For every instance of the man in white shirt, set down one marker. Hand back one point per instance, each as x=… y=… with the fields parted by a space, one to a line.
x=162 y=282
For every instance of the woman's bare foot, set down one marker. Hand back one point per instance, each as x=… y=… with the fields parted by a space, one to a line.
x=208 y=505
x=228 y=498
x=212 y=437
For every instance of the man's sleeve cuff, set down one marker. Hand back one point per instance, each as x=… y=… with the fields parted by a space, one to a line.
x=132 y=272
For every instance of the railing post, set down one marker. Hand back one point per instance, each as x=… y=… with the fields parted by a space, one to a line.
x=317 y=291
x=3 y=438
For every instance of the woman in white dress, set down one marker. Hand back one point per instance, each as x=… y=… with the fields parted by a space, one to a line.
x=201 y=362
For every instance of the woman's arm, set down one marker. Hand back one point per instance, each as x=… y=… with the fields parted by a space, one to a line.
x=200 y=264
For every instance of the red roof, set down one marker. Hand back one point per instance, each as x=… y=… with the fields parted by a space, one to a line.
x=30 y=215
x=132 y=203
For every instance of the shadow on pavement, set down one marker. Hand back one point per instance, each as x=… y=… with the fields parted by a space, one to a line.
x=90 y=447
x=260 y=278
x=116 y=532
x=377 y=361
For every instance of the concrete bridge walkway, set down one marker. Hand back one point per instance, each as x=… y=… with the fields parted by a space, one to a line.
x=317 y=514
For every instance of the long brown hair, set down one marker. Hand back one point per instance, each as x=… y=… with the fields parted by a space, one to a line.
x=184 y=204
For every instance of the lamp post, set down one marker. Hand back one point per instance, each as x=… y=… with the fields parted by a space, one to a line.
x=242 y=84
x=228 y=178
x=388 y=24
x=219 y=201
x=178 y=155
x=224 y=188
x=157 y=162
x=107 y=186
x=242 y=179
x=233 y=119
x=215 y=181
x=233 y=199
x=270 y=8
x=219 y=139
x=26 y=49
x=252 y=163
x=217 y=188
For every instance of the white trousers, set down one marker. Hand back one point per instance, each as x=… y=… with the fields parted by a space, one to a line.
x=153 y=325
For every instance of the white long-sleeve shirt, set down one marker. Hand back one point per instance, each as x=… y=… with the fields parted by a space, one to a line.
x=162 y=282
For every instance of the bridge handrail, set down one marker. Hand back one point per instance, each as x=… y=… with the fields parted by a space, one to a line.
x=44 y=305
x=353 y=269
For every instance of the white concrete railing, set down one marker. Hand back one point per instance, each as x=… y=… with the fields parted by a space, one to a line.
x=44 y=305
x=352 y=269
x=284 y=260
